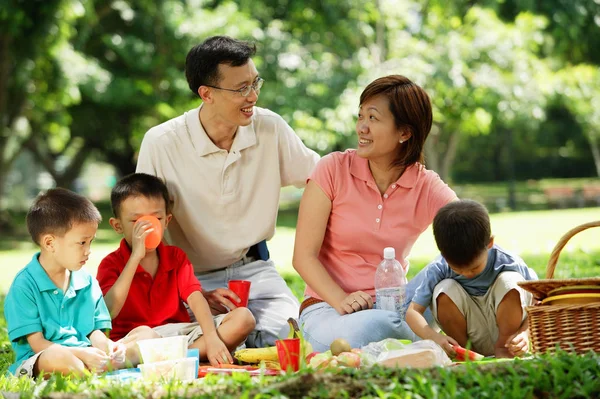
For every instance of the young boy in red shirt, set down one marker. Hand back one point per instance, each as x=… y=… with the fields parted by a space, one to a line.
x=150 y=286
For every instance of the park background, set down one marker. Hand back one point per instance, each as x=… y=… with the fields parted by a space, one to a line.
x=515 y=86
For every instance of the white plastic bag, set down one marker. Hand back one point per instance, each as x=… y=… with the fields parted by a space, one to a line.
x=398 y=353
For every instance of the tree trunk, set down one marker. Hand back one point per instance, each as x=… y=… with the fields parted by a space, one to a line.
x=4 y=74
x=6 y=224
x=450 y=156
x=380 y=34
x=510 y=170
x=65 y=178
x=123 y=162
x=72 y=172
x=595 y=147
x=432 y=149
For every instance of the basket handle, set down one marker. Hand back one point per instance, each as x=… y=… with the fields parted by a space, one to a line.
x=561 y=244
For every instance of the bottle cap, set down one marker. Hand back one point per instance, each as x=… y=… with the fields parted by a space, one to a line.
x=389 y=253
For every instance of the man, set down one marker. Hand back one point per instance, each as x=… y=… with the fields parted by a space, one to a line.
x=224 y=164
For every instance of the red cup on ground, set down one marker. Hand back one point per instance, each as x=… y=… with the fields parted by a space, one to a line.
x=288 y=352
x=241 y=289
x=154 y=238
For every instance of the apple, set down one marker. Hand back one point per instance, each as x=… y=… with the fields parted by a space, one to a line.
x=311 y=355
x=320 y=360
x=349 y=359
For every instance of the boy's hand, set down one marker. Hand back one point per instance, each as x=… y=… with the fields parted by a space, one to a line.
x=141 y=229
x=447 y=344
x=94 y=358
x=518 y=344
x=216 y=351
x=117 y=353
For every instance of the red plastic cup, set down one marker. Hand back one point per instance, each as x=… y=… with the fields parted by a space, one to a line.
x=288 y=352
x=154 y=238
x=241 y=289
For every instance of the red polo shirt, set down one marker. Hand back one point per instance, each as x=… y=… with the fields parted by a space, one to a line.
x=151 y=301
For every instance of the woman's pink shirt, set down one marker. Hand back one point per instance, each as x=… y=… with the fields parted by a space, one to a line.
x=363 y=222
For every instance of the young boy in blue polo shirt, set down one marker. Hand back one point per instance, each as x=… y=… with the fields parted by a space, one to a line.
x=472 y=288
x=54 y=310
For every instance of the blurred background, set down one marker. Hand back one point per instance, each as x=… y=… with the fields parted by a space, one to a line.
x=515 y=86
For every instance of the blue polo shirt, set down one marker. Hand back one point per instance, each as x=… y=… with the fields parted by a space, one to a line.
x=498 y=261
x=34 y=303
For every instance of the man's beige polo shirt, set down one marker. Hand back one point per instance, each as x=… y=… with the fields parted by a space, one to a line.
x=224 y=202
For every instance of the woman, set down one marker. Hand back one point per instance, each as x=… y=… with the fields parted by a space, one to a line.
x=358 y=202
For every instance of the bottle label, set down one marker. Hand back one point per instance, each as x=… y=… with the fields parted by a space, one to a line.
x=391 y=299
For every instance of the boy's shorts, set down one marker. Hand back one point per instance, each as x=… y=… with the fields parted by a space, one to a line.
x=192 y=330
x=25 y=369
x=480 y=311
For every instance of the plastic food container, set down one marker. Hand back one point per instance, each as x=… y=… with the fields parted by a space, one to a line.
x=161 y=349
x=185 y=369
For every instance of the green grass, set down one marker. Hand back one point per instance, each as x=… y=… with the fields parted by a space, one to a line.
x=557 y=376
x=532 y=234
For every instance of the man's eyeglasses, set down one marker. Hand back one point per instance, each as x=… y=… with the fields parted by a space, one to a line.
x=244 y=91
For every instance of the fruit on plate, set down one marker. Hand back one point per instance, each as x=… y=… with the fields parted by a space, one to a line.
x=463 y=354
x=339 y=345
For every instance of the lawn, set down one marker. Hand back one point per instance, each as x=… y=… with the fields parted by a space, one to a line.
x=532 y=234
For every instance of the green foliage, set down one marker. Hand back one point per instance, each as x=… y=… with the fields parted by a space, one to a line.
x=98 y=74
x=573 y=26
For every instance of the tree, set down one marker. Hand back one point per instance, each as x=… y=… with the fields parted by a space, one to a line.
x=308 y=53
x=28 y=33
x=130 y=77
x=574 y=26
x=579 y=88
x=479 y=72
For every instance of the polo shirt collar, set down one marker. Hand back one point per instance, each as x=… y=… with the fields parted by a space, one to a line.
x=163 y=260
x=245 y=136
x=410 y=176
x=39 y=274
x=77 y=280
x=359 y=168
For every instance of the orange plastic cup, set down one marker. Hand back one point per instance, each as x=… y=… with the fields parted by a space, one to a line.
x=154 y=238
x=288 y=352
x=241 y=289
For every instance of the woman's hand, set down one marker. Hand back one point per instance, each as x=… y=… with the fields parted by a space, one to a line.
x=355 y=302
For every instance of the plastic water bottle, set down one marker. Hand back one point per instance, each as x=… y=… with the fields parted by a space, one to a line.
x=390 y=283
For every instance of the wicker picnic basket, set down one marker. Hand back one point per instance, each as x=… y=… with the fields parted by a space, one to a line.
x=572 y=327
